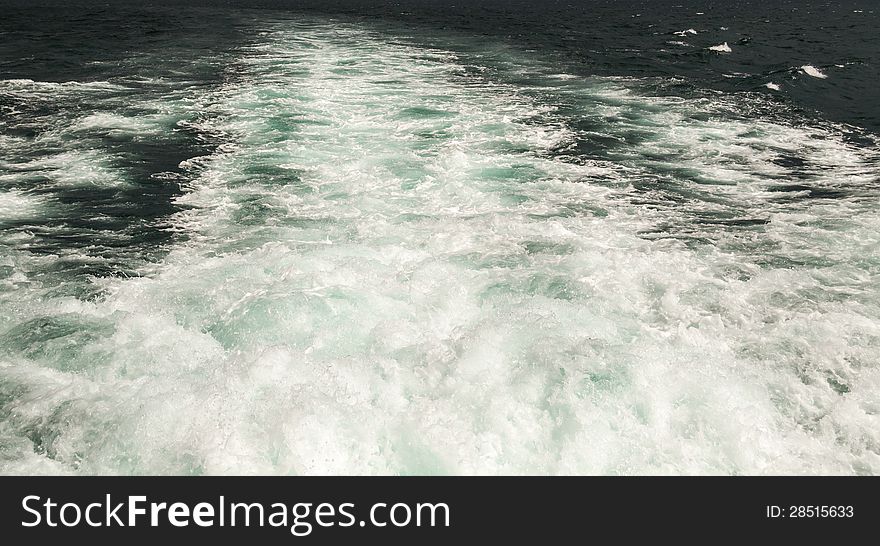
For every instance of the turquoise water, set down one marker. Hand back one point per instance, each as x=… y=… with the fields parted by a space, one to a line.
x=401 y=255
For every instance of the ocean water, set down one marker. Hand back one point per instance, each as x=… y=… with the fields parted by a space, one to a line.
x=417 y=238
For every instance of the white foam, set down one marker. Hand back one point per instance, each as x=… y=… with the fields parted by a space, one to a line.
x=43 y=86
x=772 y=86
x=721 y=48
x=685 y=32
x=72 y=168
x=811 y=70
x=17 y=205
x=115 y=123
x=388 y=271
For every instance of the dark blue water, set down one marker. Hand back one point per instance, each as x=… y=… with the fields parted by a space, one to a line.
x=769 y=39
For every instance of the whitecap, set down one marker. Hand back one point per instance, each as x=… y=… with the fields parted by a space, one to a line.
x=685 y=32
x=103 y=121
x=771 y=85
x=721 y=48
x=811 y=70
x=17 y=83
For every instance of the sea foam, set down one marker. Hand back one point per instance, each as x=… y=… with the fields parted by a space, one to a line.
x=720 y=48
x=811 y=70
x=392 y=263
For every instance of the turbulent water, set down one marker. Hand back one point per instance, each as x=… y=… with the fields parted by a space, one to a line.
x=315 y=242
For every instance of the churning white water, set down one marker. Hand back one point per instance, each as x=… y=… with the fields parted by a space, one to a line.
x=391 y=264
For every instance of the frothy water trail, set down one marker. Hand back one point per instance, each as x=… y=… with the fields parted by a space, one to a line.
x=396 y=262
